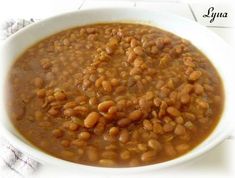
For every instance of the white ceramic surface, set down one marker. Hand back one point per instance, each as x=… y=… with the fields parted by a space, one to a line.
x=213 y=46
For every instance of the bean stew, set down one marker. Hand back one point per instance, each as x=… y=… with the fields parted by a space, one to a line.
x=114 y=95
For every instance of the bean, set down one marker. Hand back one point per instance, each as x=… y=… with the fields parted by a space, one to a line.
x=154 y=144
x=52 y=111
x=84 y=135
x=134 y=162
x=109 y=50
x=124 y=122
x=60 y=95
x=185 y=98
x=173 y=111
x=180 y=130
x=189 y=116
x=99 y=128
x=148 y=156
x=65 y=143
x=80 y=110
x=195 y=75
x=203 y=104
x=99 y=81
x=131 y=56
x=189 y=125
x=107 y=162
x=182 y=147
x=78 y=143
x=113 y=110
x=179 y=120
x=107 y=86
x=93 y=101
x=134 y=43
x=72 y=126
x=67 y=154
x=114 y=82
x=109 y=155
x=135 y=115
x=113 y=131
x=138 y=50
x=147 y=125
x=168 y=127
x=142 y=147
x=105 y=105
x=91 y=119
x=157 y=102
x=57 y=133
x=124 y=136
x=198 y=88
x=187 y=88
x=92 y=154
x=70 y=104
x=69 y=112
x=125 y=155
x=169 y=150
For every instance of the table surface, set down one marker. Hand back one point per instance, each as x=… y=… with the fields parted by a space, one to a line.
x=220 y=161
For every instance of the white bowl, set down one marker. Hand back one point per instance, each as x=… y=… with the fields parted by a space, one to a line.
x=210 y=44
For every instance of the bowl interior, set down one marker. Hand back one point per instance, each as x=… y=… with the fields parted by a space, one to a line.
x=210 y=44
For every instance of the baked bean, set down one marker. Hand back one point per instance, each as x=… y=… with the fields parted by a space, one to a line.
x=154 y=144
x=182 y=147
x=107 y=162
x=91 y=119
x=202 y=104
x=168 y=127
x=138 y=50
x=125 y=155
x=142 y=147
x=105 y=105
x=70 y=104
x=53 y=111
x=170 y=150
x=84 y=135
x=57 y=133
x=124 y=136
x=78 y=143
x=195 y=75
x=72 y=126
x=173 y=111
x=179 y=120
x=148 y=156
x=124 y=122
x=115 y=95
x=109 y=154
x=135 y=115
x=187 y=88
x=107 y=86
x=92 y=154
x=65 y=143
x=147 y=124
x=189 y=116
x=198 y=88
x=180 y=130
x=69 y=112
x=60 y=95
x=113 y=131
x=185 y=98
x=67 y=154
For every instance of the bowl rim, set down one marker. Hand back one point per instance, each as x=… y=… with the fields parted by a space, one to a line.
x=43 y=157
